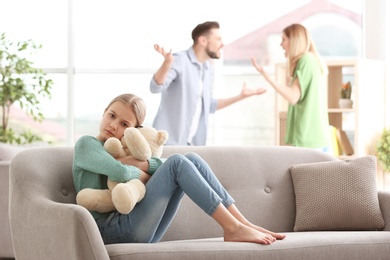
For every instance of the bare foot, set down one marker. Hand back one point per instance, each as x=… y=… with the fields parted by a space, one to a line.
x=263 y=230
x=247 y=234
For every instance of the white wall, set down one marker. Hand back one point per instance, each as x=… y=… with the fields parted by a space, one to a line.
x=376 y=44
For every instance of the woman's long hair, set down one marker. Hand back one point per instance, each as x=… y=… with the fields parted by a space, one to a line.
x=301 y=43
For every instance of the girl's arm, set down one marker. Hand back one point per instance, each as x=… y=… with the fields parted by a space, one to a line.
x=149 y=166
x=91 y=156
x=131 y=160
x=144 y=177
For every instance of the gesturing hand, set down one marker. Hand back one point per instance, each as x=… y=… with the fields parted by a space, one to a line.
x=257 y=66
x=247 y=92
x=168 y=56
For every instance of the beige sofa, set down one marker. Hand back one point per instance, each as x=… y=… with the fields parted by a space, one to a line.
x=6 y=250
x=47 y=224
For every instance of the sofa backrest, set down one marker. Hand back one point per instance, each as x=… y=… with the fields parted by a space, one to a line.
x=258 y=178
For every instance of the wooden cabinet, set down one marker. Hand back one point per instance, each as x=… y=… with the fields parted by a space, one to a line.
x=364 y=122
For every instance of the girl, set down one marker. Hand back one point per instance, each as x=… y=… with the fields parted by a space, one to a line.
x=307 y=116
x=165 y=182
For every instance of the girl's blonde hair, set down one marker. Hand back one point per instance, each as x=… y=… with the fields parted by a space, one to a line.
x=301 y=43
x=135 y=103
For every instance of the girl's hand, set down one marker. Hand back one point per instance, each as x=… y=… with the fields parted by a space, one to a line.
x=144 y=177
x=131 y=160
x=168 y=56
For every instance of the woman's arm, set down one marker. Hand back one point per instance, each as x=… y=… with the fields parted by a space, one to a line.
x=292 y=94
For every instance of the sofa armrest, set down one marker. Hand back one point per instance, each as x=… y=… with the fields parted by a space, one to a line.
x=57 y=230
x=384 y=203
x=6 y=249
x=45 y=221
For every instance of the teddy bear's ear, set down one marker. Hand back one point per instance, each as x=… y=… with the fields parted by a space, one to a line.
x=162 y=137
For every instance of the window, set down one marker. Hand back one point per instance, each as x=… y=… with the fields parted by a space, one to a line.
x=94 y=50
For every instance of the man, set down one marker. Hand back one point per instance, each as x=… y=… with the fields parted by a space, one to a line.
x=185 y=81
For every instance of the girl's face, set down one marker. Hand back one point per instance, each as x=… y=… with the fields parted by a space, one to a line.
x=115 y=120
x=285 y=44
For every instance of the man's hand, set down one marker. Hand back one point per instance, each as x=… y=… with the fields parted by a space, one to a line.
x=247 y=92
x=168 y=56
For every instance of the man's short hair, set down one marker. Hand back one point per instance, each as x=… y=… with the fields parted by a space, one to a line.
x=203 y=29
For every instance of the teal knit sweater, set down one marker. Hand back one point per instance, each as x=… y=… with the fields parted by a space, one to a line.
x=92 y=165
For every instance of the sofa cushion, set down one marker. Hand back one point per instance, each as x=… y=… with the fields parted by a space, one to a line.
x=337 y=195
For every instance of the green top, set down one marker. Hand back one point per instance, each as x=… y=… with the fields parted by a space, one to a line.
x=307 y=120
x=92 y=165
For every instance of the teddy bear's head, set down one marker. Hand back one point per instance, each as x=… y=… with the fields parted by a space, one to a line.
x=143 y=143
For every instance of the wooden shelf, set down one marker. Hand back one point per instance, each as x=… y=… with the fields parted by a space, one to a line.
x=365 y=121
x=341 y=110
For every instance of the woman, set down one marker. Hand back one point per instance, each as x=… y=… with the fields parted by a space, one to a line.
x=166 y=183
x=307 y=116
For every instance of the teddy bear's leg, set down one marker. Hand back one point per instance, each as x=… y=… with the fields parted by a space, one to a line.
x=126 y=195
x=111 y=184
x=95 y=200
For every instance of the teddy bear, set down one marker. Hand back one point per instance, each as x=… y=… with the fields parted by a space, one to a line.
x=143 y=143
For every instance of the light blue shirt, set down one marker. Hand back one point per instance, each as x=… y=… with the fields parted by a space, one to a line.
x=179 y=95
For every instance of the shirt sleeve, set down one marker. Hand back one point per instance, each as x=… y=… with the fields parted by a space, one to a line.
x=304 y=73
x=91 y=156
x=171 y=76
x=213 y=105
x=154 y=164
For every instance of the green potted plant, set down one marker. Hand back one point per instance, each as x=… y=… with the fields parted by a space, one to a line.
x=383 y=149
x=23 y=84
x=345 y=96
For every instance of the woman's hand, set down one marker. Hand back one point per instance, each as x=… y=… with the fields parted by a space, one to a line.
x=257 y=66
x=292 y=94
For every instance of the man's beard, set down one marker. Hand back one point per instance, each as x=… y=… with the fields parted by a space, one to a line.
x=212 y=55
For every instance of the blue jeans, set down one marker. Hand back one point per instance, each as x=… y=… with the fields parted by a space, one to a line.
x=326 y=149
x=148 y=221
